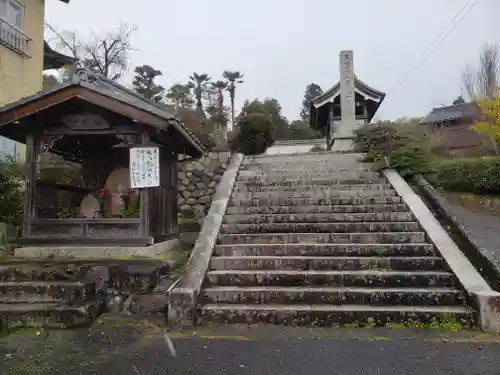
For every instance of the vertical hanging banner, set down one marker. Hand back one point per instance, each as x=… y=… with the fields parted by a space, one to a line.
x=144 y=167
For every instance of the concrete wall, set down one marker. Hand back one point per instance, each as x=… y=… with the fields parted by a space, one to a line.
x=21 y=75
x=198 y=182
x=295 y=147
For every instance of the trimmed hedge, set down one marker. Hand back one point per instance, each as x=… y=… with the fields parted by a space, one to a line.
x=394 y=146
x=256 y=134
x=474 y=175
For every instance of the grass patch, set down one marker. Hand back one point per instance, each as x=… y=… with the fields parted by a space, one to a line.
x=446 y=323
x=488 y=204
x=179 y=259
x=379 y=339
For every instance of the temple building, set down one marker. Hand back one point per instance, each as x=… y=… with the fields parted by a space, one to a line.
x=126 y=149
x=349 y=104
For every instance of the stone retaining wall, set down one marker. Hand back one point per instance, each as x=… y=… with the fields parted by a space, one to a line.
x=198 y=182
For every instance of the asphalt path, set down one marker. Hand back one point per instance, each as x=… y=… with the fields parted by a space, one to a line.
x=122 y=348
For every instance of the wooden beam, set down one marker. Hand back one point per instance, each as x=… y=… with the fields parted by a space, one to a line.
x=125 y=109
x=85 y=241
x=92 y=221
x=61 y=130
x=37 y=105
x=44 y=102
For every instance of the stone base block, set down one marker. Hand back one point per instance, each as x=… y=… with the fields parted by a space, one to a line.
x=97 y=252
x=343 y=145
x=488 y=306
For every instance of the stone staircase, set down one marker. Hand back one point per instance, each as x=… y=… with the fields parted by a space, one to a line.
x=69 y=292
x=323 y=239
x=38 y=296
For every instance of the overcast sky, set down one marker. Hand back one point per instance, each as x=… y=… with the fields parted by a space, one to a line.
x=283 y=45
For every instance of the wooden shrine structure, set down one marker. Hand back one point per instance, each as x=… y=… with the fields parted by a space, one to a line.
x=95 y=122
x=347 y=105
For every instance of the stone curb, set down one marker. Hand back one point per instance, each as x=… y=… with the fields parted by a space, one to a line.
x=471 y=248
x=182 y=300
x=487 y=301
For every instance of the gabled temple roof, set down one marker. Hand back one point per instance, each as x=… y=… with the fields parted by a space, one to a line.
x=360 y=87
x=452 y=112
x=82 y=81
x=53 y=59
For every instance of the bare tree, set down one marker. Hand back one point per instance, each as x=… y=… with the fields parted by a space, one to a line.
x=106 y=54
x=469 y=82
x=482 y=81
x=489 y=66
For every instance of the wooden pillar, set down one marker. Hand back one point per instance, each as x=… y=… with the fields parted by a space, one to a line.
x=144 y=199
x=327 y=138
x=330 y=127
x=173 y=190
x=29 y=213
x=365 y=113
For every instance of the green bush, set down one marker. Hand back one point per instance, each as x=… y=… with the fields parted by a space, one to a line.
x=188 y=225
x=11 y=192
x=378 y=140
x=394 y=146
x=410 y=160
x=471 y=175
x=256 y=133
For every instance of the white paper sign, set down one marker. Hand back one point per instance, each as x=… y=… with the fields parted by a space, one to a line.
x=144 y=167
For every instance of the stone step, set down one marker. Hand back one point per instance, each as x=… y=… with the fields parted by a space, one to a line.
x=317 y=218
x=247 y=176
x=284 y=182
x=309 y=169
x=326 y=157
x=330 y=201
x=306 y=159
x=325 y=263
x=331 y=193
x=327 y=315
x=367 y=278
x=333 y=296
x=346 y=169
x=340 y=173
x=303 y=162
x=44 y=291
x=50 y=315
x=323 y=250
x=317 y=209
x=303 y=188
x=316 y=167
x=312 y=238
x=321 y=227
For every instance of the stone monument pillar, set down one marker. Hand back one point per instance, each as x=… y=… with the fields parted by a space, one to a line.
x=343 y=131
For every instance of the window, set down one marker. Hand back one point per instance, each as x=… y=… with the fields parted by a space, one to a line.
x=11 y=25
x=12 y=12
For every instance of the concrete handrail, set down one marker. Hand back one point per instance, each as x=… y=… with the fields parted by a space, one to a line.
x=487 y=300
x=182 y=300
